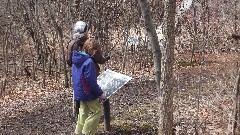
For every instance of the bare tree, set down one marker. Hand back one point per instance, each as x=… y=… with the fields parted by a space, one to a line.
x=166 y=87
x=236 y=105
x=236 y=101
x=166 y=92
x=166 y=110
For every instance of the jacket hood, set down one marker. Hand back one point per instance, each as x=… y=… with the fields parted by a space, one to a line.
x=78 y=58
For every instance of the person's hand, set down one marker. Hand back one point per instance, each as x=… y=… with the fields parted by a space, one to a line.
x=102 y=97
x=107 y=57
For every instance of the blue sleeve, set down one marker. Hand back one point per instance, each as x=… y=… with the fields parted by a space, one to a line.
x=91 y=78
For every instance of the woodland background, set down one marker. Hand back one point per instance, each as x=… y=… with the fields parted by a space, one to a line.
x=35 y=84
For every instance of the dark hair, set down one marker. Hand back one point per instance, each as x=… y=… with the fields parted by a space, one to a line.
x=86 y=27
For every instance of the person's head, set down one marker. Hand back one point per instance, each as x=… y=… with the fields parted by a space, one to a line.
x=90 y=47
x=80 y=29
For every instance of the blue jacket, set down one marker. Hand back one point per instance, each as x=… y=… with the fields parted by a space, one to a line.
x=84 y=77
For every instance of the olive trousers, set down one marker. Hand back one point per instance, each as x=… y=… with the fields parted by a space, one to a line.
x=87 y=124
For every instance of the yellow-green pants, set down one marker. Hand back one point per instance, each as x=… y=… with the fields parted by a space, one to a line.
x=87 y=124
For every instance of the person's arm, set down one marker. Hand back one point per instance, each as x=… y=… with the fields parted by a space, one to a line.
x=98 y=56
x=91 y=78
x=69 y=53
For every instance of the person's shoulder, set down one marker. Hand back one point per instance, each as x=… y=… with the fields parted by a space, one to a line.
x=89 y=60
x=71 y=42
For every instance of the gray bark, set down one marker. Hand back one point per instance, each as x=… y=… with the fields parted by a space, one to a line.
x=166 y=98
x=166 y=88
x=153 y=39
x=236 y=105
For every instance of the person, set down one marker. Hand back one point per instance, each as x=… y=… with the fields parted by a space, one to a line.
x=86 y=90
x=80 y=36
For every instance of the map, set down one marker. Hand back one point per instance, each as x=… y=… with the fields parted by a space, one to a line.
x=111 y=81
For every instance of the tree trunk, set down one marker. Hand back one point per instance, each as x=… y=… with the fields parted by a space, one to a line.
x=166 y=110
x=59 y=30
x=236 y=105
x=165 y=91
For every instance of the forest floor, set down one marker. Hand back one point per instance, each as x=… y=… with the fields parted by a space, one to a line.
x=202 y=101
